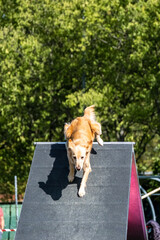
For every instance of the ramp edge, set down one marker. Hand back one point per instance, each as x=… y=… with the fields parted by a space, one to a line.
x=105 y=143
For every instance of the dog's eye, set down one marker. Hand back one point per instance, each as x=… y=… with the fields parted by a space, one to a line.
x=82 y=158
x=74 y=157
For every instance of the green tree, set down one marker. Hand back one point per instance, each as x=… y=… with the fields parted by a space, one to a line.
x=122 y=68
x=49 y=49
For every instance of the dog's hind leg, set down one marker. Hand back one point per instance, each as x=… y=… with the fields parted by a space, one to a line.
x=96 y=129
x=99 y=140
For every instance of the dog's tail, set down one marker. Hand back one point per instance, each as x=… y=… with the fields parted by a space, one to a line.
x=96 y=127
x=89 y=113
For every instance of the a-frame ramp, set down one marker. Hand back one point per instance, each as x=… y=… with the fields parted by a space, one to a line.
x=52 y=210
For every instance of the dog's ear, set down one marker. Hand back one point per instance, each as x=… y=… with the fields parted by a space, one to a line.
x=68 y=130
x=71 y=144
x=66 y=126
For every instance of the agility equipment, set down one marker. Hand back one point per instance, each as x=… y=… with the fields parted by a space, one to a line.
x=111 y=208
x=8 y=230
x=150 y=193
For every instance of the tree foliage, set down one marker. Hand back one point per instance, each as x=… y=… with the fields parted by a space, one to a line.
x=58 y=57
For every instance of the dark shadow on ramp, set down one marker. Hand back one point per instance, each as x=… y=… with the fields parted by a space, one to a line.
x=58 y=177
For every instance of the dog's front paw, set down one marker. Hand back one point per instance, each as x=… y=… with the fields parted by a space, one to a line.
x=70 y=178
x=81 y=192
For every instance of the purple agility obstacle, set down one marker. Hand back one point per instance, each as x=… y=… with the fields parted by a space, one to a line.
x=136 y=221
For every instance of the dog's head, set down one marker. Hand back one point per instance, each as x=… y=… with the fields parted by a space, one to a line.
x=78 y=153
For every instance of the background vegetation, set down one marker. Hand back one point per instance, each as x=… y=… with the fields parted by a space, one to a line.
x=58 y=57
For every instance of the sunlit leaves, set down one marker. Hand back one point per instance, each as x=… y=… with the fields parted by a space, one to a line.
x=48 y=48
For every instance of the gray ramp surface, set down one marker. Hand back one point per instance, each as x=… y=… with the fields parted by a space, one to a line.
x=52 y=208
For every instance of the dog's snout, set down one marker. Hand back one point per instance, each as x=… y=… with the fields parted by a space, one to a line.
x=78 y=168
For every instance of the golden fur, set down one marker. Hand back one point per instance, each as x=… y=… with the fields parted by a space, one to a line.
x=80 y=134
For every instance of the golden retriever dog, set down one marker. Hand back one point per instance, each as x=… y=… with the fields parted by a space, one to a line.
x=80 y=134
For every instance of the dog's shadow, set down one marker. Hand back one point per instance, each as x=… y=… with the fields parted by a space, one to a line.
x=58 y=177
